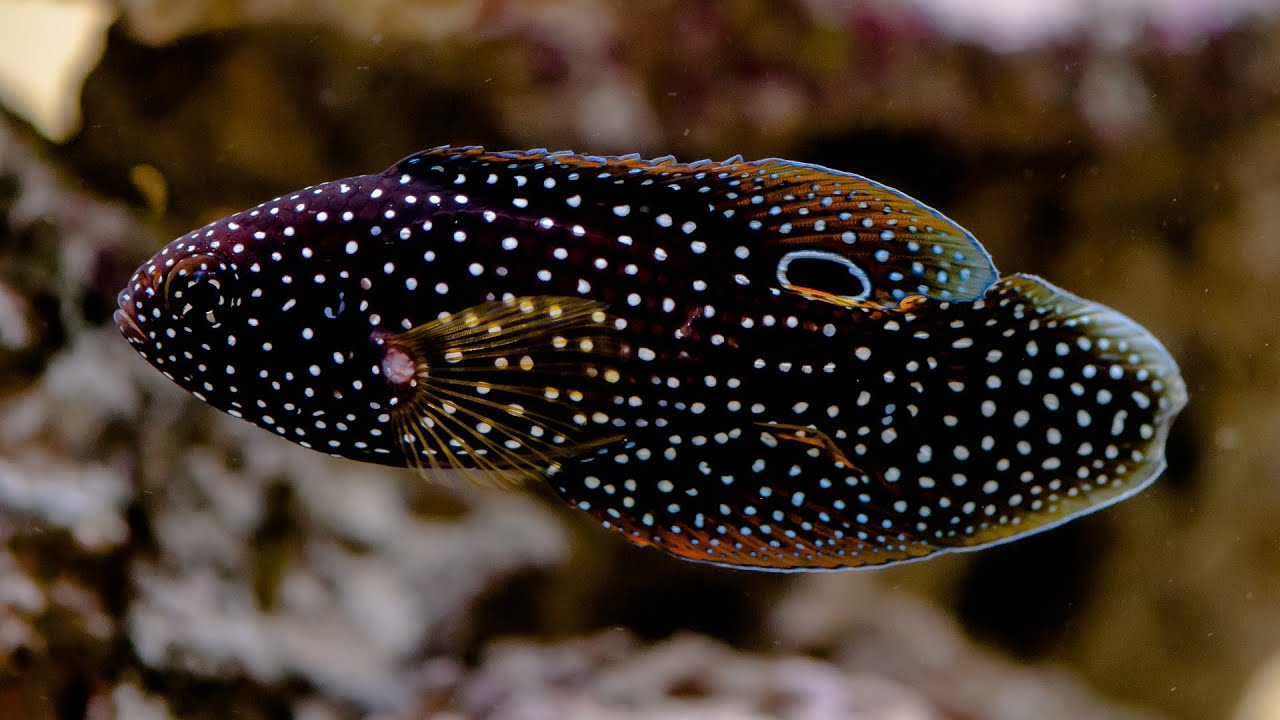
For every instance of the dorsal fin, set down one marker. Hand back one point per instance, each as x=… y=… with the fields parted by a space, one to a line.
x=902 y=247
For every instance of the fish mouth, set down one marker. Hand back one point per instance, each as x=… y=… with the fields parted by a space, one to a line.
x=128 y=327
x=125 y=320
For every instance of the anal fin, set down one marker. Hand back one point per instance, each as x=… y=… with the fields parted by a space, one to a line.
x=776 y=498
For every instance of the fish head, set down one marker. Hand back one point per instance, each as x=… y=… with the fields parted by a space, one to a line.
x=176 y=302
x=252 y=316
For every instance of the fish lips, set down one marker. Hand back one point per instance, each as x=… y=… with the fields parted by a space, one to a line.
x=124 y=317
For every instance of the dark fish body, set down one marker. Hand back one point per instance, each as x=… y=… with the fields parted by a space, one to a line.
x=767 y=364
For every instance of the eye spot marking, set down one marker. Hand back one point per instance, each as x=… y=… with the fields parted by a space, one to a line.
x=823 y=279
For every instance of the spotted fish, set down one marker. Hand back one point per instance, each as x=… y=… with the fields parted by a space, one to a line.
x=766 y=365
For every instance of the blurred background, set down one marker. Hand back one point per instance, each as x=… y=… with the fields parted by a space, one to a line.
x=160 y=560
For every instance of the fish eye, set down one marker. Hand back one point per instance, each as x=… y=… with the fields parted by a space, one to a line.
x=825 y=273
x=199 y=287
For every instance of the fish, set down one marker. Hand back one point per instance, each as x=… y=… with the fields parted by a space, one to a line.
x=765 y=365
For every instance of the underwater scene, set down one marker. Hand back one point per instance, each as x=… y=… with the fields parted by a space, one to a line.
x=573 y=359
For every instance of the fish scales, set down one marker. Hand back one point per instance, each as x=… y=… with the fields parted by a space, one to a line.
x=761 y=364
x=961 y=424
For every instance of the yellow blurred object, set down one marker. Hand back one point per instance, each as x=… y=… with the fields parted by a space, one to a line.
x=1261 y=699
x=151 y=184
x=47 y=48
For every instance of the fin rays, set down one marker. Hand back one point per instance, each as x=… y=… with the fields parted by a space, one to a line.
x=507 y=388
